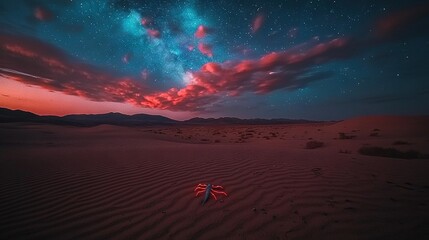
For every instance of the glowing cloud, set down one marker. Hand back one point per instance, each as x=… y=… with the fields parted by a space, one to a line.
x=146 y=22
x=257 y=23
x=202 y=31
x=43 y=14
x=206 y=49
x=154 y=33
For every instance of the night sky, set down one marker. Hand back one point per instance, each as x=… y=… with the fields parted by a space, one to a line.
x=317 y=60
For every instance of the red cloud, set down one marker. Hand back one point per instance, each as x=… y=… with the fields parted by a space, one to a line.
x=154 y=33
x=37 y=63
x=43 y=14
x=206 y=49
x=271 y=72
x=146 y=22
x=399 y=22
x=257 y=23
x=202 y=31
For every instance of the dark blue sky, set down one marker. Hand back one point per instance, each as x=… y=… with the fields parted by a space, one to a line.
x=270 y=59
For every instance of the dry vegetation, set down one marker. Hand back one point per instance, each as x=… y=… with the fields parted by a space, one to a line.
x=313 y=144
x=391 y=152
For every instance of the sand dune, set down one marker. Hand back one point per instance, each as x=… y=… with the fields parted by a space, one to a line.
x=111 y=182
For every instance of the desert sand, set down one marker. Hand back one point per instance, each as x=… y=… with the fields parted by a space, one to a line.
x=110 y=182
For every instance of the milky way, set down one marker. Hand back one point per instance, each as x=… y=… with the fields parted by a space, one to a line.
x=296 y=59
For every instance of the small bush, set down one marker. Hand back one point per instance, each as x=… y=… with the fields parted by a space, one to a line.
x=389 y=152
x=313 y=144
x=400 y=143
x=374 y=134
x=345 y=136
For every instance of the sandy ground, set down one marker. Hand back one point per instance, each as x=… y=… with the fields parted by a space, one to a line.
x=111 y=182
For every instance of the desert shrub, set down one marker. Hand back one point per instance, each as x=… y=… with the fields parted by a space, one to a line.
x=345 y=136
x=374 y=134
x=389 y=152
x=313 y=144
x=400 y=143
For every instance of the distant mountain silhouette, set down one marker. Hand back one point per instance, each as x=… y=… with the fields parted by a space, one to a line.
x=7 y=115
x=254 y=121
x=120 y=119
